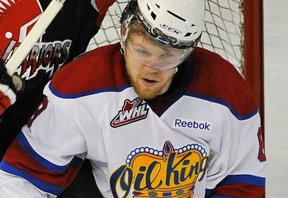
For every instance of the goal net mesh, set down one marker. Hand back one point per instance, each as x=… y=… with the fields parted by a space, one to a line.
x=223 y=31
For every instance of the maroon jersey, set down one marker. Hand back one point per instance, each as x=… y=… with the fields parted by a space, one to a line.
x=66 y=37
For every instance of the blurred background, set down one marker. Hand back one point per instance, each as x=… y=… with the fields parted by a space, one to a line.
x=276 y=96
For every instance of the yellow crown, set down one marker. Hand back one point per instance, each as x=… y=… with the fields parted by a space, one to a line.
x=167 y=173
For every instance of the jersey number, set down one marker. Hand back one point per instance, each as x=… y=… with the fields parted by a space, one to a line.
x=37 y=111
x=261 y=153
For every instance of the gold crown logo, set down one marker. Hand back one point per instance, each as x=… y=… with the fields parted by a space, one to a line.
x=167 y=173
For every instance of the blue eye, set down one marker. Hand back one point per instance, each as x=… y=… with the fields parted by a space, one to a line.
x=142 y=52
x=166 y=55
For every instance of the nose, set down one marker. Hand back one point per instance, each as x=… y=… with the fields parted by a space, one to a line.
x=150 y=69
x=152 y=64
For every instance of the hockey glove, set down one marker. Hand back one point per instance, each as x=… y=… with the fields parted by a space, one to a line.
x=9 y=87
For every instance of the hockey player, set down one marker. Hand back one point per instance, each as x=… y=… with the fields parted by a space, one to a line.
x=66 y=37
x=158 y=118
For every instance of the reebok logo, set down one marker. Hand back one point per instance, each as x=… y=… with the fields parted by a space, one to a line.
x=131 y=111
x=192 y=124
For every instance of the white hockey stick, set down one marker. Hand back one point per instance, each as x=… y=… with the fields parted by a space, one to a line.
x=25 y=47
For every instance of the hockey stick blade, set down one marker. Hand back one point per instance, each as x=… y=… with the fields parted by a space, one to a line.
x=25 y=47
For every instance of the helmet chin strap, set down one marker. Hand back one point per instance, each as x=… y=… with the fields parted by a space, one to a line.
x=125 y=35
x=176 y=70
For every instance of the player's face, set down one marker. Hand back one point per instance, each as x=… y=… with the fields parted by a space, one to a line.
x=148 y=65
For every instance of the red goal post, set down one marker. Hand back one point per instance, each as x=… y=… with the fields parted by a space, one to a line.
x=254 y=50
x=233 y=29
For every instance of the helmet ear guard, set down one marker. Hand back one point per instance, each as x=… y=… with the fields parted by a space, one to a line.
x=168 y=23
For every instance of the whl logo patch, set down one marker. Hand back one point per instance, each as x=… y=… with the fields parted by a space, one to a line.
x=131 y=111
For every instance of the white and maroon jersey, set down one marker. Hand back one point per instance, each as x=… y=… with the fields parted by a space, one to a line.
x=65 y=38
x=201 y=138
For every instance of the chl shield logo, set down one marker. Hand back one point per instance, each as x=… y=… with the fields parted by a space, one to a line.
x=131 y=111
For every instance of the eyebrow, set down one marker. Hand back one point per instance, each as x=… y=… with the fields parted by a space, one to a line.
x=168 y=52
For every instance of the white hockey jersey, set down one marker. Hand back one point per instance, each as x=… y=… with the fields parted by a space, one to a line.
x=200 y=139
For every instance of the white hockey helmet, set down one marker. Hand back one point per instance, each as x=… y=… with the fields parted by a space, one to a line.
x=178 y=24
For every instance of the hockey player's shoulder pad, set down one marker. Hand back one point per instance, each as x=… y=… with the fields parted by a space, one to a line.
x=98 y=69
x=218 y=80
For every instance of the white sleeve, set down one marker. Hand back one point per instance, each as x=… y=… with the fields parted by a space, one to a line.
x=48 y=154
x=12 y=186
x=239 y=161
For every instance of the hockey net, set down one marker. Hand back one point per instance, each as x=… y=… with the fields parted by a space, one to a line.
x=223 y=29
x=233 y=29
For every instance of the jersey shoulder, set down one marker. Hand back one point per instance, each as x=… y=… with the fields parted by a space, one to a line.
x=100 y=69
x=102 y=6
x=219 y=81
